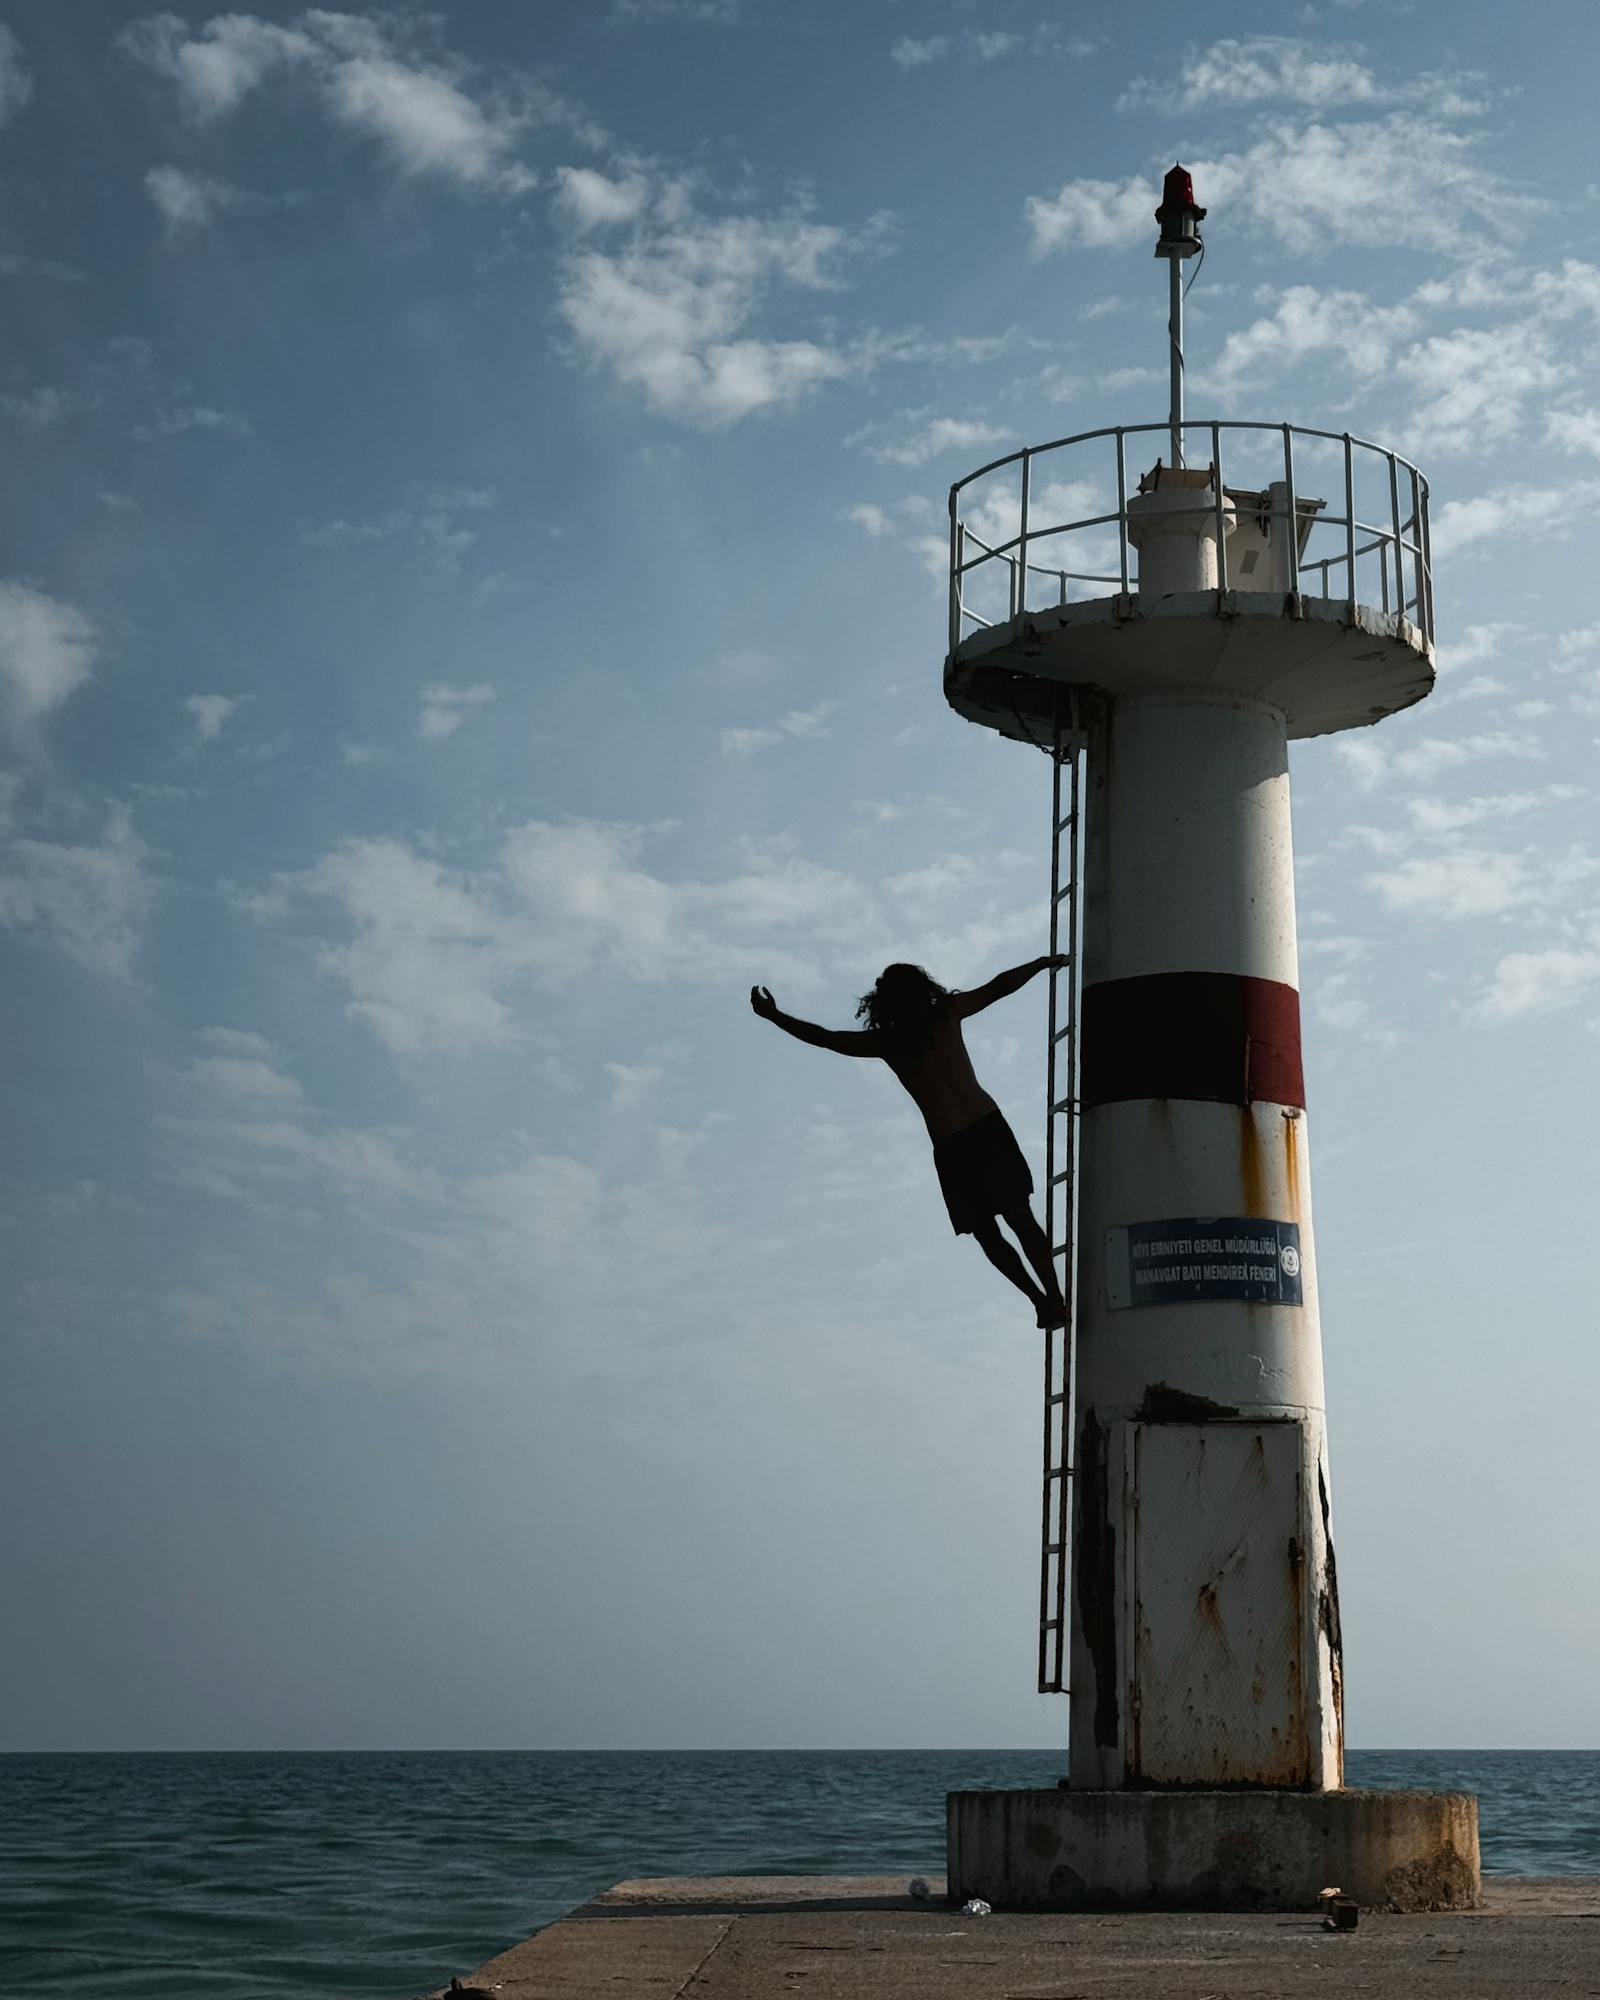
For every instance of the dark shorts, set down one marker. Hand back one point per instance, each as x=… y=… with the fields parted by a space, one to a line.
x=981 y=1172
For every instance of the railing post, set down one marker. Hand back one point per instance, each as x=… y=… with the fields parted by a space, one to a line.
x=955 y=575
x=1350 y=523
x=1425 y=539
x=1293 y=508
x=1122 y=505
x=1399 y=546
x=1216 y=482
x=1022 y=547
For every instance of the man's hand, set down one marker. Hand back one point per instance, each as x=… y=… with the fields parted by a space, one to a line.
x=1058 y=963
x=763 y=1003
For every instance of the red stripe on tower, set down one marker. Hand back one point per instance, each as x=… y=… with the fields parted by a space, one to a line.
x=1221 y=1037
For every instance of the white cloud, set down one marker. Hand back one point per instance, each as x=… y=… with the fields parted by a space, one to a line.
x=47 y=648
x=1509 y=512
x=1574 y=430
x=1581 y=643
x=1364 y=757
x=1261 y=69
x=1475 y=882
x=445 y=707
x=979 y=45
x=89 y=900
x=1311 y=186
x=432 y=952
x=591 y=200
x=1474 y=385
x=807 y=725
x=245 y=1066
x=668 y=311
x=16 y=84
x=1305 y=322
x=913 y=524
x=1538 y=982
x=1444 y=818
x=1336 y=994
x=938 y=878
x=700 y=13
x=938 y=434
x=210 y=713
x=214 y=70
x=420 y=116
x=1571 y=292
x=374 y=77
x=188 y=201
x=1474 y=644
x=185 y=417
x=632 y=1082
x=1370 y=762
x=1093 y=215
x=434 y=957
x=431 y=520
x=427 y=956
x=912 y=54
x=41 y=407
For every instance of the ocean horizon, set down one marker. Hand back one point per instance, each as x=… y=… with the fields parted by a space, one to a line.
x=261 y=1875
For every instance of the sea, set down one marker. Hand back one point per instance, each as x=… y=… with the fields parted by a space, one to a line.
x=260 y=1877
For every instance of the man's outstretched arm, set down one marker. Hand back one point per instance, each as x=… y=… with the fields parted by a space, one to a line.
x=843 y=1041
x=1002 y=984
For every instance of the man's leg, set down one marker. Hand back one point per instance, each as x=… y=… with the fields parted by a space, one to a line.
x=1000 y=1254
x=1036 y=1248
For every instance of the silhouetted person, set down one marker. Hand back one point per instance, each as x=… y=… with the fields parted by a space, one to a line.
x=914 y=1025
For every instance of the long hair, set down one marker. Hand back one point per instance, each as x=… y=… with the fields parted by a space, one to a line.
x=904 y=1001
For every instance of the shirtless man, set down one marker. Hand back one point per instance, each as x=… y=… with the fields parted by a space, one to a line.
x=914 y=1025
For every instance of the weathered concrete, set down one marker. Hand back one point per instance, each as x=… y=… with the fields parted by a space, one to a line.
x=1261 y=1850
x=855 y=1938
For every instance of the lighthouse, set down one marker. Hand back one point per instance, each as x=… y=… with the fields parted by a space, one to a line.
x=1163 y=608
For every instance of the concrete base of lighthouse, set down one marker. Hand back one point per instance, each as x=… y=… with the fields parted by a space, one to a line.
x=1193 y=1850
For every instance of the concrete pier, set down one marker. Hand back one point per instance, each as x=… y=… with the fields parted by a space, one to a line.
x=864 y=1938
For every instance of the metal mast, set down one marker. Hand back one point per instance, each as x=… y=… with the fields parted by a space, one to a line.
x=1180 y=239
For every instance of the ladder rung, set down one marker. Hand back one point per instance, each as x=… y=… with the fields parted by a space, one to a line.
x=1061 y=1472
x=1051 y=1625
x=1070 y=820
x=1059 y=1249
x=1061 y=1034
x=1063 y=894
x=1064 y=1175
x=1064 y=1104
x=1060 y=1395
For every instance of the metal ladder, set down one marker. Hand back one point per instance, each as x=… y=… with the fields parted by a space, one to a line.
x=1060 y=1202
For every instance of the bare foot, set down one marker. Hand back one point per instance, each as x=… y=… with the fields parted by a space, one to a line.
x=1052 y=1313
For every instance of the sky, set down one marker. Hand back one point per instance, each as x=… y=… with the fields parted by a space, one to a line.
x=471 y=603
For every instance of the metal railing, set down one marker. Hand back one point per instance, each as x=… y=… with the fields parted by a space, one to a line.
x=1376 y=553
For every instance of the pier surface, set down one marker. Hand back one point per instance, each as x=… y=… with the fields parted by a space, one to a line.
x=854 y=1937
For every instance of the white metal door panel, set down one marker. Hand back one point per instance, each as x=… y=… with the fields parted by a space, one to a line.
x=1218 y=1694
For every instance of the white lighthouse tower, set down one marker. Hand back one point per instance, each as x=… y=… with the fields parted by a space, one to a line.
x=1164 y=608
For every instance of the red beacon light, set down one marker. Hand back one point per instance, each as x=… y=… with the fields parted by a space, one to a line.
x=1178 y=215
